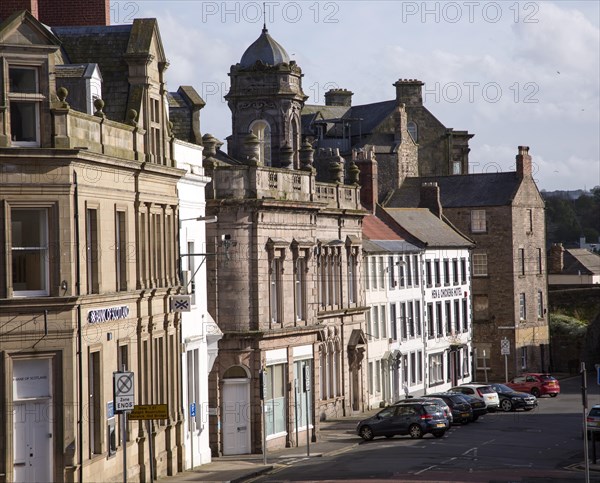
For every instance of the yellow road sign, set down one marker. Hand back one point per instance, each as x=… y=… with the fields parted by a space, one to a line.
x=148 y=411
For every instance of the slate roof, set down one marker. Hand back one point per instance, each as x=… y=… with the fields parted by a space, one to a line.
x=106 y=46
x=266 y=50
x=71 y=70
x=371 y=115
x=481 y=189
x=420 y=225
x=389 y=246
x=580 y=261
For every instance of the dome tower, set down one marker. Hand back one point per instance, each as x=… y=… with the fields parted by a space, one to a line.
x=266 y=98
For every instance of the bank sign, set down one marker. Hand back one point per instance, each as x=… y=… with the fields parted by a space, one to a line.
x=441 y=293
x=98 y=316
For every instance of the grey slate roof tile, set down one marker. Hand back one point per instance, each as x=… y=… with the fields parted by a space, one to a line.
x=480 y=189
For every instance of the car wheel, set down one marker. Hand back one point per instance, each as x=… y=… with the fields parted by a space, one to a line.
x=554 y=394
x=439 y=434
x=535 y=392
x=366 y=433
x=506 y=405
x=415 y=431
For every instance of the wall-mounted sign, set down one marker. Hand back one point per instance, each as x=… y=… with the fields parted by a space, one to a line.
x=97 y=316
x=149 y=411
x=439 y=293
x=181 y=303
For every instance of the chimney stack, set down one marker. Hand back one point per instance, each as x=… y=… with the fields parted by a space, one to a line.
x=557 y=258
x=524 y=168
x=8 y=7
x=338 y=97
x=409 y=92
x=430 y=198
x=65 y=13
x=369 y=187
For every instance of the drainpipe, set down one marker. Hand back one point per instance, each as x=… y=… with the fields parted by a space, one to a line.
x=79 y=334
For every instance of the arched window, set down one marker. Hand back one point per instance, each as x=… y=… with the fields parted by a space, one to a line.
x=412 y=130
x=262 y=131
x=295 y=142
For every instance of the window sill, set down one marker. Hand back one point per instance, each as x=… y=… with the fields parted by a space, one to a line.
x=276 y=435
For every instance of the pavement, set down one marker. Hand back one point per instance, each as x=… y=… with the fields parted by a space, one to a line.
x=336 y=436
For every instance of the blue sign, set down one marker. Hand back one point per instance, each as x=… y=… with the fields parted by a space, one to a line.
x=110 y=410
x=193 y=410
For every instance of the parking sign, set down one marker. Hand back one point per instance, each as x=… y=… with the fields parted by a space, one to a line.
x=123 y=391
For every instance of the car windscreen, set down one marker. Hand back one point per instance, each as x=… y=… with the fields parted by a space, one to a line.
x=502 y=388
x=485 y=390
x=547 y=377
x=595 y=412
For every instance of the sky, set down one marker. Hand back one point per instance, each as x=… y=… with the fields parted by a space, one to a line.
x=511 y=72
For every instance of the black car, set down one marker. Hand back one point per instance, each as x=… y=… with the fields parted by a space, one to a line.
x=511 y=400
x=413 y=418
x=461 y=409
x=477 y=405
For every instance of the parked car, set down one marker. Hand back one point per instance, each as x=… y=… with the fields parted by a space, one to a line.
x=441 y=402
x=593 y=422
x=477 y=405
x=511 y=400
x=413 y=418
x=461 y=409
x=483 y=391
x=536 y=383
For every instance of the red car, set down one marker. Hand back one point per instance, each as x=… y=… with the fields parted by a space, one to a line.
x=536 y=384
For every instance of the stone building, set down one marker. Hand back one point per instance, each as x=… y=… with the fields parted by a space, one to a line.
x=88 y=252
x=503 y=213
x=284 y=279
x=407 y=138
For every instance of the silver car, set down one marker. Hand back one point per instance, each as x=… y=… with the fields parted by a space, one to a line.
x=482 y=391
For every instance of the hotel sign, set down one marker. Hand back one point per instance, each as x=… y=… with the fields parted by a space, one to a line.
x=440 y=293
x=98 y=316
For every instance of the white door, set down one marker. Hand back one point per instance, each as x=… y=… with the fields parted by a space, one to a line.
x=236 y=417
x=32 y=422
x=32 y=442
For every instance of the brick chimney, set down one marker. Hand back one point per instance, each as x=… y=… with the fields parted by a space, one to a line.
x=369 y=187
x=61 y=13
x=338 y=97
x=524 y=163
x=8 y=7
x=409 y=92
x=557 y=258
x=430 y=198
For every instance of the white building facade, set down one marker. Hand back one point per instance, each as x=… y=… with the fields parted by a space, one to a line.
x=200 y=334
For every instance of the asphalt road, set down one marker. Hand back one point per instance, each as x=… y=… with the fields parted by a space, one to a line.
x=544 y=445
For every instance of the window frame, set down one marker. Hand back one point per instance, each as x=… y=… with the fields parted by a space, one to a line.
x=480 y=264
x=48 y=210
x=26 y=98
x=478 y=221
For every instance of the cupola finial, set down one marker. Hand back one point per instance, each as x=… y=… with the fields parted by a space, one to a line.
x=264 y=18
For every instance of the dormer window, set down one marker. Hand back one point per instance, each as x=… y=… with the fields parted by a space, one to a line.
x=262 y=131
x=25 y=99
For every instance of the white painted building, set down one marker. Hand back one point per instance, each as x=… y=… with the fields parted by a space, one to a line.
x=417 y=286
x=200 y=334
x=446 y=297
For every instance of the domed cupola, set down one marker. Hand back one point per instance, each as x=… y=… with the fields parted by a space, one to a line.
x=265 y=49
x=266 y=98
